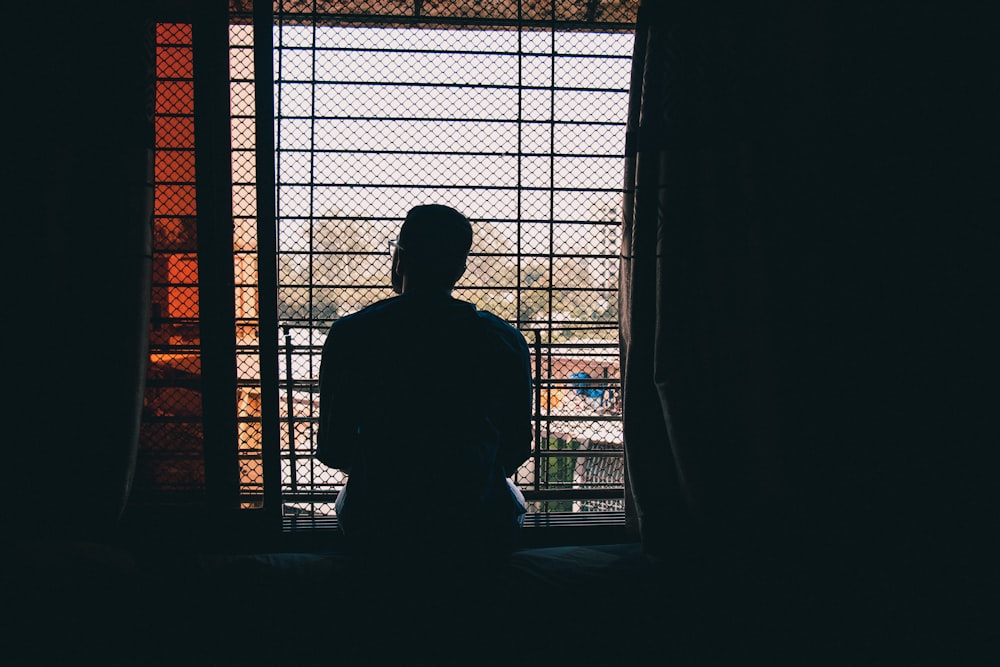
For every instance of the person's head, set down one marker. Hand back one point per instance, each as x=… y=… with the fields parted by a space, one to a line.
x=433 y=245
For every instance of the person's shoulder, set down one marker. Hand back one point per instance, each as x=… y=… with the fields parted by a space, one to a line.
x=502 y=328
x=363 y=318
x=495 y=320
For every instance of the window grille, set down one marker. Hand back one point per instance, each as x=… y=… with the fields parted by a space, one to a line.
x=170 y=466
x=517 y=119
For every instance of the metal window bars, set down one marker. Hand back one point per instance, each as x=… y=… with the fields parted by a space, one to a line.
x=518 y=122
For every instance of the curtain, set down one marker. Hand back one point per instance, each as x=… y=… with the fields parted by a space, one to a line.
x=698 y=397
x=82 y=150
x=794 y=225
x=803 y=306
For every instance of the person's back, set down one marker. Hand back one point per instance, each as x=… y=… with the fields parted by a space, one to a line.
x=425 y=402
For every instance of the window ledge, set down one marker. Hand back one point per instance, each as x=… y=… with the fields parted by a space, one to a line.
x=542 y=529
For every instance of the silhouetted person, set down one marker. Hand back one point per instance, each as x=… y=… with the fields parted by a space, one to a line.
x=425 y=402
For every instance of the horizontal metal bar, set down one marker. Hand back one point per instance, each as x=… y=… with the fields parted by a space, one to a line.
x=548 y=54
x=442 y=186
x=556 y=495
x=381 y=254
x=554 y=425
x=310 y=19
x=581 y=453
x=467 y=288
x=511 y=154
x=534 y=520
x=551 y=495
x=574 y=383
x=452 y=121
x=530 y=495
x=564 y=346
x=500 y=221
x=375 y=83
x=156 y=419
x=549 y=418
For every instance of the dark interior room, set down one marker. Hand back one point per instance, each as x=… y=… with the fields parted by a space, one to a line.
x=800 y=331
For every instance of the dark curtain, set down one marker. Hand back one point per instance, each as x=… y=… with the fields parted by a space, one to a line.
x=804 y=313
x=698 y=395
x=80 y=306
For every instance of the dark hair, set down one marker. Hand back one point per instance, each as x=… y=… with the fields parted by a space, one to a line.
x=435 y=240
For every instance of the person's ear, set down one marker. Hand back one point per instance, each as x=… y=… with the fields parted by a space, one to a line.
x=396 y=273
x=402 y=262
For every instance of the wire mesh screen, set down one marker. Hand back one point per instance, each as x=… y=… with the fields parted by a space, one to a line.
x=519 y=125
x=170 y=463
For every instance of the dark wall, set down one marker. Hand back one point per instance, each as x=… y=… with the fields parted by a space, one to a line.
x=878 y=278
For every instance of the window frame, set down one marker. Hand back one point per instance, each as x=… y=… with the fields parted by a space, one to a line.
x=214 y=174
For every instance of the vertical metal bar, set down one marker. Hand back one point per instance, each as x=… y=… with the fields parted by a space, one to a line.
x=290 y=407
x=267 y=254
x=538 y=407
x=310 y=247
x=552 y=215
x=216 y=286
x=552 y=171
x=520 y=151
x=606 y=389
x=312 y=168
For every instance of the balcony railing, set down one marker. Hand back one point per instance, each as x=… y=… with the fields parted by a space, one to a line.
x=577 y=461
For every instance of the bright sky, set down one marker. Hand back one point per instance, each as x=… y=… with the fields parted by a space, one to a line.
x=372 y=121
x=367 y=105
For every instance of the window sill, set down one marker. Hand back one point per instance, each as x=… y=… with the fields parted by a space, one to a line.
x=255 y=530
x=540 y=530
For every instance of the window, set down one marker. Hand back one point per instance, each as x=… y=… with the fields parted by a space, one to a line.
x=170 y=464
x=516 y=117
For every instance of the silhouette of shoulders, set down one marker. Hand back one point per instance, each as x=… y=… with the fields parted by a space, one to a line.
x=425 y=312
